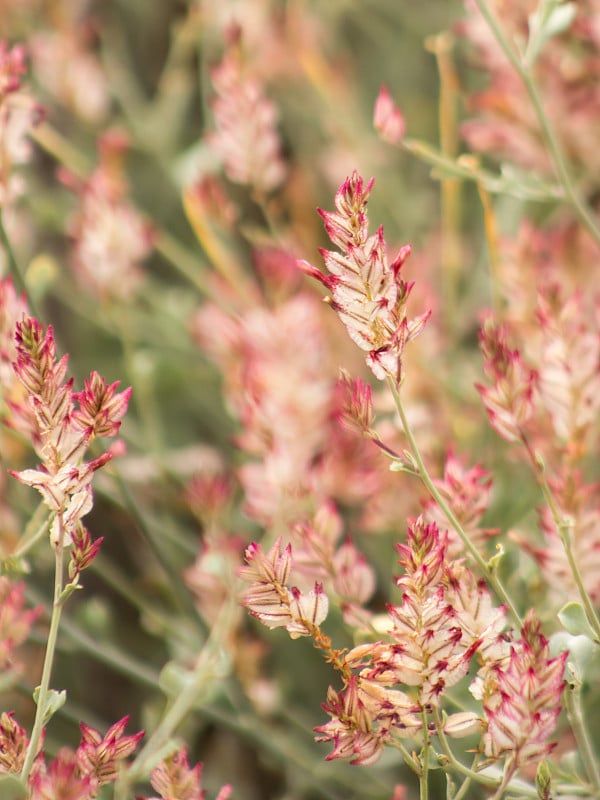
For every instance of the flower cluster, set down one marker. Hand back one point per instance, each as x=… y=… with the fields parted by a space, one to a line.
x=269 y=598
x=446 y=618
x=110 y=237
x=174 y=779
x=72 y=774
x=64 y=424
x=367 y=291
x=246 y=138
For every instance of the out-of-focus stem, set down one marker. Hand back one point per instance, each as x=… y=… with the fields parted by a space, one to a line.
x=565 y=528
x=36 y=528
x=581 y=208
x=491 y=235
x=191 y=692
x=441 y=46
x=445 y=508
x=572 y=698
x=42 y=699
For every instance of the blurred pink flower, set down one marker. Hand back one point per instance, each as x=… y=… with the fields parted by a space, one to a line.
x=509 y=398
x=61 y=780
x=246 y=137
x=388 y=120
x=110 y=237
x=174 y=779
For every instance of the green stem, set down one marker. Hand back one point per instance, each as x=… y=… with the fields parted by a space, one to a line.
x=581 y=208
x=508 y=773
x=572 y=698
x=191 y=691
x=457 y=765
x=565 y=528
x=36 y=528
x=445 y=508
x=425 y=752
x=40 y=713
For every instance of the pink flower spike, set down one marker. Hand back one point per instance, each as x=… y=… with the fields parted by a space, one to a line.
x=388 y=120
x=13 y=744
x=61 y=780
x=173 y=777
x=509 y=401
x=522 y=699
x=367 y=291
x=98 y=757
x=101 y=407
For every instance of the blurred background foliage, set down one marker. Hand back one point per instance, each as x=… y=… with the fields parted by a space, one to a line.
x=135 y=613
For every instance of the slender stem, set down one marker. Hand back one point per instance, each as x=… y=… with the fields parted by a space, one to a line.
x=425 y=752
x=40 y=713
x=36 y=528
x=491 y=236
x=445 y=508
x=462 y=792
x=565 y=529
x=441 y=46
x=191 y=691
x=457 y=765
x=581 y=208
x=572 y=697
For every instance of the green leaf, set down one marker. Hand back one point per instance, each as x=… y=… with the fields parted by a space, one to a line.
x=494 y=561
x=54 y=701
x=12 y=788
x=574 y=621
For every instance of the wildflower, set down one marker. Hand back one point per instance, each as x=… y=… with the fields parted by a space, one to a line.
x=13 y=744
x=357 y=410
x=364 y=717
x=61 y=780
x=271 y=601
x=98 y=758
x=15 y=620
x=521 y=698
x=174 y=779
x=110 y=238
x=62 y=433
x=445 y=617
x=64 y=63
x=278 y=386
x=246 y=137
x=12 y=308
x=101 y=409
x=387 y=118
x=569 y=374
x=467 y=492
x=83 y=550
x=509 y=400
x=367 y=291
